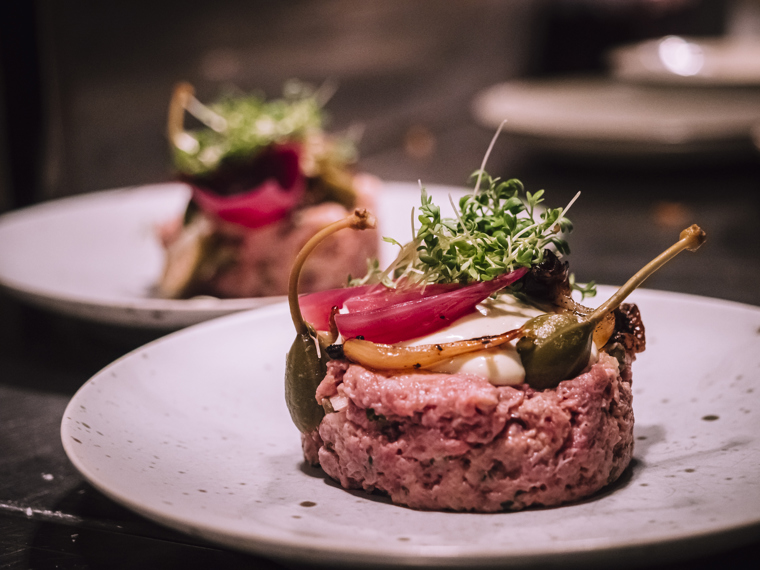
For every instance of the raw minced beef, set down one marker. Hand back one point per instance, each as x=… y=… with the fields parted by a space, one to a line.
x=455 y=441
x=258 y=261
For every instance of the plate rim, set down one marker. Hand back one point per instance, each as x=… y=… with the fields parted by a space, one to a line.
x=140 y=312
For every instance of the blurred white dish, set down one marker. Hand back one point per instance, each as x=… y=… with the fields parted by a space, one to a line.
x=603 y=117
x=97 y=257
x=192 y=431
x=729 y=61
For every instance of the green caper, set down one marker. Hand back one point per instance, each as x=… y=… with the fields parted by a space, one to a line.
x=554 y=347
x=304 y=370
x=306 y=363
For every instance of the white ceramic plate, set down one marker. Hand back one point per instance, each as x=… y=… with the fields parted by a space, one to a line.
x=673 y=60
x=603 y=117
x=97 y=256
x=192 y=432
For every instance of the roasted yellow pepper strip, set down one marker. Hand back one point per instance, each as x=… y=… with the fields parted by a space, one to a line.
x=394 y=357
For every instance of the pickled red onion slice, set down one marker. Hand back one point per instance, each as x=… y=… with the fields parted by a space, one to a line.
x=421 y=316
x=264 y=203
x=380 y=297
x=316 y=307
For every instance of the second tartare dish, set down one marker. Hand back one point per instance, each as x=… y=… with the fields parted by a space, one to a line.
x=265 y=178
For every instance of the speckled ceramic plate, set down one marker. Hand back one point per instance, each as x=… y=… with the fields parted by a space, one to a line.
x=192 y=432
x=601 y=117
x=97 y=256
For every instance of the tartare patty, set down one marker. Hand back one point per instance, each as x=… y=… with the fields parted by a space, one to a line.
x=257 y=261
x=416 y=421
x=455 y=441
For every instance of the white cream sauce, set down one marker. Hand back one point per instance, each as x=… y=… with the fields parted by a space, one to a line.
x=501 y=365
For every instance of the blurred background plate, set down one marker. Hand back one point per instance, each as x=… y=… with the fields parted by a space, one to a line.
x=97 y=256
x=727 y=61
x=603 y=117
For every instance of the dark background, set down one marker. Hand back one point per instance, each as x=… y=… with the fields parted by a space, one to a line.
x=87 y=83
x=84 y=91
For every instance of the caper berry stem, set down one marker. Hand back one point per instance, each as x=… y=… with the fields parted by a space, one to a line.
x=359 y=219
x=691 y=238
x=176 y=118
x=183 y=99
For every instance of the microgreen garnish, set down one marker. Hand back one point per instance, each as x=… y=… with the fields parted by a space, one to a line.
x=585 y=289
x=497 y=229
x=241 y=126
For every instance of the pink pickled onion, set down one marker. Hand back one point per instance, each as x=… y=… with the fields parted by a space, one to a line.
x=265 y=203
x=412 y=319
x=426 y=314
x=316 y=307
x=382 y=297
x=389 y=316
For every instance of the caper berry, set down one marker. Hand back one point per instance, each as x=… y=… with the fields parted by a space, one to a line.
x=554 y=347
x=304 y=370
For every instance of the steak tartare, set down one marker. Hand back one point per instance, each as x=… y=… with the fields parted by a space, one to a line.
x=455 y=441
x=465 y=376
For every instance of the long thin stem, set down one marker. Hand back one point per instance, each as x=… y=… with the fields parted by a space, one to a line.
x=183 y=99
x=691 y=238
x=488 y=153
x=359 y=219
x=179 y=101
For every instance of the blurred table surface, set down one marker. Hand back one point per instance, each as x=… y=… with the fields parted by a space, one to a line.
x=50 y=517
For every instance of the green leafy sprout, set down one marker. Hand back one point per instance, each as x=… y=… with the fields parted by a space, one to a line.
x=499 y=227
x=238 y=127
